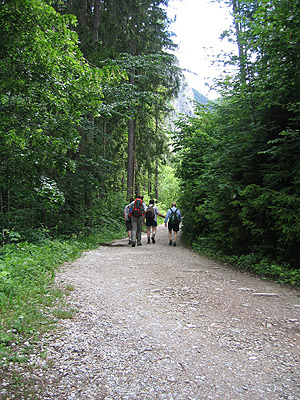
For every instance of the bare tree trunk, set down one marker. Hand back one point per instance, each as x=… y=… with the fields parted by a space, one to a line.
x=156 y=179
x=130 y=159
x=96 y=24
x=149 y=184
x=95 y=36
x=156 y=162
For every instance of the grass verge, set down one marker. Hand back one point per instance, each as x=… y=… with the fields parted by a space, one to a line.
x=256 y=263
x=30 y=304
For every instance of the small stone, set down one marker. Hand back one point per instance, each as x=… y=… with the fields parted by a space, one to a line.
x=265 y=294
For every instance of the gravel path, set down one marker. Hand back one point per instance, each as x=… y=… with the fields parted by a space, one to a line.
x=161 y=322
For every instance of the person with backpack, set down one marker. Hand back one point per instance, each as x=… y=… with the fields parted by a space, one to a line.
x=138 y=208
x=174 y=218
x=127 y=217
x=151 y=220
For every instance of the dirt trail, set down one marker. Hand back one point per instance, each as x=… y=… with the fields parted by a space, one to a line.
x=161 y=322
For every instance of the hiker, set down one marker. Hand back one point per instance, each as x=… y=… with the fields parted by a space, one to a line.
x=138 y=208
x=174 y=218
x=151 y=220
x=128 y=224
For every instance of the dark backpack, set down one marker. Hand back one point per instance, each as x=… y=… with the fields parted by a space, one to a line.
x=137 y=208
x=174 y=217
x=150 y=213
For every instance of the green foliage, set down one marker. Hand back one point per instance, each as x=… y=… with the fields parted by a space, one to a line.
x=239 y=158
x=27 y=295
x=43 y=94
x=168 y=186
x=66 y=99
x=222 y=206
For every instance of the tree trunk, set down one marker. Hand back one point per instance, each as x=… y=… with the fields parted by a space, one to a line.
x=156 y=179
x=104 y=137
x=130 y=162
x=149 y=184
x=156 y=162
x=96 y=24
x=8 y=200
x=245 y=72
x=83 y=13
x=241 y=49
x=130 y=159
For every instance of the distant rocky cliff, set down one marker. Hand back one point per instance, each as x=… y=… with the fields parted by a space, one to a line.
x=184 y=103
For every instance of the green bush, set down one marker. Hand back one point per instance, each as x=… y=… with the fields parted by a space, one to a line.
x=272 y=221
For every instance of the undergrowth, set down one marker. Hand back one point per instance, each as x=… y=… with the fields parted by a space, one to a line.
x=260 y=265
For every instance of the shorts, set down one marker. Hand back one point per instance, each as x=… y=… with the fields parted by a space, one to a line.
x=128 y=225
x=151 y=222
x=174 y=227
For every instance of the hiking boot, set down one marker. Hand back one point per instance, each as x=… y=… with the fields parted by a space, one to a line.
x=170 y=243
x=133 y=244
x=174 y=244
x=139 y=244
x=153 y=239
x=130 y=242
x=148 y=242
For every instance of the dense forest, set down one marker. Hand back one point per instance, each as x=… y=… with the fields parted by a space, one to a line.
x=85 y=86
x=240 y=156
x=86 y=90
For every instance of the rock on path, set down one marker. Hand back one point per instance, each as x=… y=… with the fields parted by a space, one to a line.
x=161 y=322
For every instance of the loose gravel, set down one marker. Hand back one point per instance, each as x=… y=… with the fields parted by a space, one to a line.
x=162 y=322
